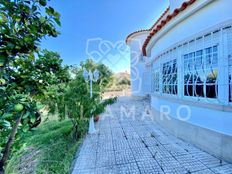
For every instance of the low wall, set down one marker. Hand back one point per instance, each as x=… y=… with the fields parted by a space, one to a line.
x=126 y=92
x=212 y=141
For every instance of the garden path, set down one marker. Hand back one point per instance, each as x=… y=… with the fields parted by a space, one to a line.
x=128 y=141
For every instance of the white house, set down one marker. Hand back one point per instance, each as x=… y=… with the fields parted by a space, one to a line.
x=184 y=63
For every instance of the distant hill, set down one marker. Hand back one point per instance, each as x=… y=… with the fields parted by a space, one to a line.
x=121 y=78
x=120 y=85
x=122 y=75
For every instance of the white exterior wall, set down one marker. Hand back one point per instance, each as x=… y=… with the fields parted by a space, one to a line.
x=146 y=79
x=210 y=120
x=216 y=12
x=137 y=64
x=219 y=12
x=207 y=117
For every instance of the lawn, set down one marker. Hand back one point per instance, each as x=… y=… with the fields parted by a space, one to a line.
x=50 y=148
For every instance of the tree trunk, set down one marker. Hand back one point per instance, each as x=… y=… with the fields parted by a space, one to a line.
x=6 y=152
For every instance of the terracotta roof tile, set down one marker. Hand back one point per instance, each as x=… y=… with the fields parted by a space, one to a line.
x=127 y=38
x=164 y=22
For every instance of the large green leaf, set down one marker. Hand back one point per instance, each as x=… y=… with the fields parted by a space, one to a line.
x=7 y=116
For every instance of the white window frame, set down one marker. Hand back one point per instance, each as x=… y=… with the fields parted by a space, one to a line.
x=156 y=81
x=168 y=57
x=204 y=69
x=223 y=68
x=228 y=66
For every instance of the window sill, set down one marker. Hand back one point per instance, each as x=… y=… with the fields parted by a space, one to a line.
x=212 y=104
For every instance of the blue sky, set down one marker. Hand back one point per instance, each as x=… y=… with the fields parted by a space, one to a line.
x=98 y=28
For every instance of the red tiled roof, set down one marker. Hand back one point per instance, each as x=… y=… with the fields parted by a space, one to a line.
x=164 y=13
x=127 y=38
x=164 y=22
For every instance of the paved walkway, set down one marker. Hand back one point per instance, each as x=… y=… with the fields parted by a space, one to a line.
x=132 y=143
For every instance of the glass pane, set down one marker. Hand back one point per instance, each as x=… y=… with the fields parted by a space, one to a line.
x=169 y=76
x=188 y=91
x=156 y=81
x=230 y=79
x=201 y=77
x=212 y=76
x=175 y=89
x=199 y=63
x=215 y=60
x=199 y=91
x=211 y=91
x=186 y=77
x=201 y=71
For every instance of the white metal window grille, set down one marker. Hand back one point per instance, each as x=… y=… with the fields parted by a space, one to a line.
x=201 y=73
x=198 y=67
x=230 y=78
x=169 y=77
x=156 y=81
x=229 y=40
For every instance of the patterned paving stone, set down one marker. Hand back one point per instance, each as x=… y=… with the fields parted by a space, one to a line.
x=206 y=171
x=115 y=125
x=119 y=137
x=85 y=161
x=128 y=129
x=107 y=146
x=209 y=160
x=92 y=138
x=139 y=127
x=133 y=145
x=171 y=166
x=192 y=150
x=163 y=140
x=106 y=170
x=106 y=158
x=120 y=144
x=131 y=135
x=104 y=126
x=175 y=140
x=124 y=157
x=225 y=169
x=130 y=168
x=144 y=133
x=89 y=146
x=136 y=143
x=175 y=150
x=118 y=134
x=190 y=163
x=149 y=166
x=159 y=152
x=141 y=154
x=83 y=171
x=155 y=133
x=150 y=142
x=103 y=140
x=117 y=130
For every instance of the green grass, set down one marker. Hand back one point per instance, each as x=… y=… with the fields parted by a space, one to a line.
x=48 y=149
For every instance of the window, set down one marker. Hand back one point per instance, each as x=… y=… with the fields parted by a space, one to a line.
x=156 y=81
x=189 y=74
x=229 y=42
x=201 y=72
x=169 y=76
x=230 y=79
